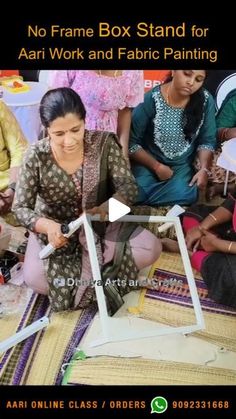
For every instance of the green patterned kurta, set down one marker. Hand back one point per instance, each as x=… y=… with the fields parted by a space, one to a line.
x=46 y=190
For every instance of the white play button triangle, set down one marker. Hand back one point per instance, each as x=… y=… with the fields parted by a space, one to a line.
x=116 y=209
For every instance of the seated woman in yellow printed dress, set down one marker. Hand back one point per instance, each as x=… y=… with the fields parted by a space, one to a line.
x=12 y=147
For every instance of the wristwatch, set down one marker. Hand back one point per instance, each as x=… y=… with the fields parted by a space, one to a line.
x=12 y=186
x=65 y=228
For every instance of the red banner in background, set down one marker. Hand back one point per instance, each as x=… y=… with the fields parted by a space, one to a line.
x=8 y=73
x=154 y=77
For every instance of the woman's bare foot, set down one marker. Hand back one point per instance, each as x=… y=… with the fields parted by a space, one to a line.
x=170 y=245
x=213 y=190
x=218 y=189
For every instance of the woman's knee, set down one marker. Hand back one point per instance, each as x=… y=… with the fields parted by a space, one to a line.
x=33 y=269
x=153 y=253
x=35 y=279
x=35 y=282
x=146 y=248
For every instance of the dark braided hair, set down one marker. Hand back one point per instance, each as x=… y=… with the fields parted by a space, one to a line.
x=193 y=112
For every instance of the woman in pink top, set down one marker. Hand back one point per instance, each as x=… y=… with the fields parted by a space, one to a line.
x=108 y=96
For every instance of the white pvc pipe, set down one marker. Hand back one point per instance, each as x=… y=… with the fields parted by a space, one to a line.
x=23 y=334
x=189 y=274
x=226 y=183
x=96 y=274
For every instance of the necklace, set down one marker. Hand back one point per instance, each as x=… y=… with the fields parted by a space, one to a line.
x=179 y=104
x=114 y=75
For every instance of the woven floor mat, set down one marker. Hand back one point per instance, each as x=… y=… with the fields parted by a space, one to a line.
x=171 y=304
x=105 y=370
x=13 y=361
x=171 y=262
x=38 y=359
x=58 y=345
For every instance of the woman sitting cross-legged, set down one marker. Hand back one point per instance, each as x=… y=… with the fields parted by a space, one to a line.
x=175 y=123
x=71 y=171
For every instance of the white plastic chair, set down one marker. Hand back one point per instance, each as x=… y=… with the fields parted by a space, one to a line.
x=44 y=77
x=227 y=160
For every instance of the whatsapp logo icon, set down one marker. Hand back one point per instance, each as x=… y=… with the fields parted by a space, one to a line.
x=159 y=404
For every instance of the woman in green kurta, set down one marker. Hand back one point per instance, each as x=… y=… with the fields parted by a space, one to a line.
x=175 y=122
x=72 y=171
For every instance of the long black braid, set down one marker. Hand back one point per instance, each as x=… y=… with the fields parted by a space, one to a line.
x=193 y=113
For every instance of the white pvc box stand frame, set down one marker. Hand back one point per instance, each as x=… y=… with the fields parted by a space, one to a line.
x=120 y=329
